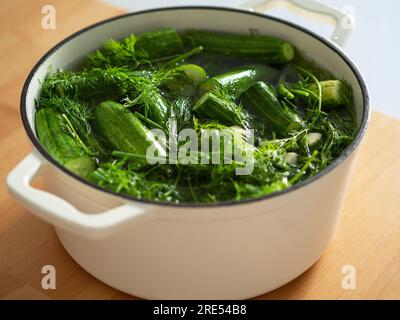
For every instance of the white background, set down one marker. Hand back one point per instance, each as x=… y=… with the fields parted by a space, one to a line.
x=374 y=45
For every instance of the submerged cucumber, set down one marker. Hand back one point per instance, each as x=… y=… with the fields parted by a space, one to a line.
x=159 y=43
x=239 y=79
x=268 y=49
x=209 y=106
x=156 y=108
x=59 y=144
x=193 y=72
x=123 y=130
x=77 y=115
x=186 y=80
x=261 y=100
x=334 y=92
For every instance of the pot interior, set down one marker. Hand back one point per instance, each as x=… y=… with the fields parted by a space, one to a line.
x=71 y=51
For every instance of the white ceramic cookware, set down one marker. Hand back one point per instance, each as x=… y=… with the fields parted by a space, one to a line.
x=223 y=251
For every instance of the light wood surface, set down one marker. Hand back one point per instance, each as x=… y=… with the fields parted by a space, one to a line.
x=369 y=235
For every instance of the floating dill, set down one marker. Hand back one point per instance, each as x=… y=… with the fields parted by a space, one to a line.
x=124 y=120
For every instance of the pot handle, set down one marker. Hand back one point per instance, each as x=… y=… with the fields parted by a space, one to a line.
x=344 y=22
x=61 y=213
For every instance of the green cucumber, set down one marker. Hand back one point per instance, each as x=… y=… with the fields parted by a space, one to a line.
x=239 y=79
x=268 y=49
x=210 y=106
x=261 y=100
x=123 y=130
x=160 y=43
x=156 y=107
x=50 y=128
x=77 y=115
x=236 y=80
x=193 y=72
x=334 y=92
x=186 y=79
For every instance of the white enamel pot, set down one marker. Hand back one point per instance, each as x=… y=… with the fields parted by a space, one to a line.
x=157 y=251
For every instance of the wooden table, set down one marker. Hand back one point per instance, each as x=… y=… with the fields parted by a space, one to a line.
x=369 y=236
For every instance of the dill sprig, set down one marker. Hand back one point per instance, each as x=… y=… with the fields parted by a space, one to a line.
x=315 y=106
x=87 y=85
x=118 y=53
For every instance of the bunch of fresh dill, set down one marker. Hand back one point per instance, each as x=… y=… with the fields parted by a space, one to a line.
x=121 y=72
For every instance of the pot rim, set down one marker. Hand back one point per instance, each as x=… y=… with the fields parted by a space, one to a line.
x=335 y=163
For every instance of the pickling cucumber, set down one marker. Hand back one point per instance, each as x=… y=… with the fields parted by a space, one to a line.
x=50 y=128
x=210 y=106
x=186 y=79
x=334 y=92
x=156 y=107
x=160 y=43
x=77 y=115
x=123 y=130
x=261 y=100
x=268 y=49
x=239 y=79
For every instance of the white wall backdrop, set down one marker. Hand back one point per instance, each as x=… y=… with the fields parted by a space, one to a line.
x=374 y=45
